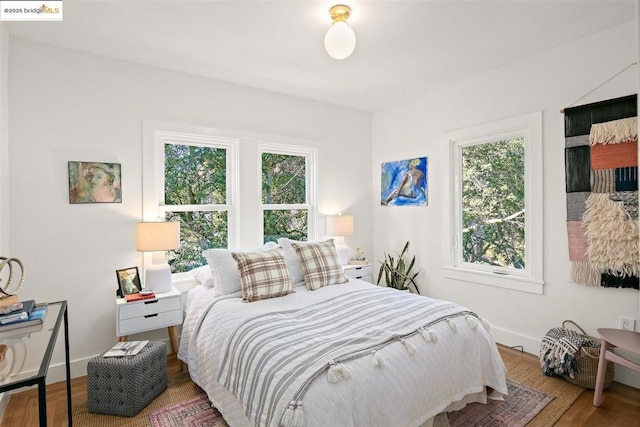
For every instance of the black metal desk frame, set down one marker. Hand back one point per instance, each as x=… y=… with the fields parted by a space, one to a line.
x=39 y=379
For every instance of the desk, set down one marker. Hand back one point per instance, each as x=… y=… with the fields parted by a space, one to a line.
x=28 y=355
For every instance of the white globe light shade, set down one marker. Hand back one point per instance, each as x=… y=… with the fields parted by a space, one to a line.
x=340 y=40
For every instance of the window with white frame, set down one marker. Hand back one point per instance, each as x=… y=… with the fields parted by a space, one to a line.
x=494 y=207
x=194 y=183
x=287 y=191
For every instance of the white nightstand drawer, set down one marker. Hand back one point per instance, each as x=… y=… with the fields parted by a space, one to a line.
x=362 y=272
x=358 y=271
x=149 y=322
x=145 y=308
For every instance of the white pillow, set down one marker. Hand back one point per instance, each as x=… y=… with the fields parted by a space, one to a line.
x=224 y=269
x=203 y=276
x=293 y=264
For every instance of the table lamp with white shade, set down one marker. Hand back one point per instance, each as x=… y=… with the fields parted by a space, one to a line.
x=339 y=226
x=158 y=237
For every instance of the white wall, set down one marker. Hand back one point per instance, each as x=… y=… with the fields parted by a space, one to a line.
x=547 y=82
x=4 y=163
x=4 y=142
x=67 y=105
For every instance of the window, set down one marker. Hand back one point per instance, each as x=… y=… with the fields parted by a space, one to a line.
x=287 y=192
x=494 y=207
x=192 y=182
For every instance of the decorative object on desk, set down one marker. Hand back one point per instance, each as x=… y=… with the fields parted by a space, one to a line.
x=339 y=226
x=158 y=237
x=10 y=308
x=125 y=348
x=128 y=281
x=8 y=295
x=13 y=359
x=396 y=272
x=404 y=183
x=139 y=296
x=92 y=182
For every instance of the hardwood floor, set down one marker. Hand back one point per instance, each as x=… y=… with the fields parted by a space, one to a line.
x=620 y=407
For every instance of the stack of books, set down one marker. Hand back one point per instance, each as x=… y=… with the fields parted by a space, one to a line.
x=139 y=296
x=28 y=315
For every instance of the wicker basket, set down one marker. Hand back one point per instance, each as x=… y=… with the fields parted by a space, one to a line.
x=587 y=361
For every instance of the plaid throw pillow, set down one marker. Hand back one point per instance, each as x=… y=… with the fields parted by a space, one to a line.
x=320 y=266
x=263 y=274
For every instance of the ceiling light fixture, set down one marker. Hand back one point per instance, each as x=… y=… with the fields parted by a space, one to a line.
x=340 y=40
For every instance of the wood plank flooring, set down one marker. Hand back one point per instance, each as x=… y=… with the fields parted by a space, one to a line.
x=620 y=407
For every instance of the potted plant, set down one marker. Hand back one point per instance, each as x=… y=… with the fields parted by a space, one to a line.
x=397 y=273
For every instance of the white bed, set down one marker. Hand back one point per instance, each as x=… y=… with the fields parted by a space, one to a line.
x=432 y=361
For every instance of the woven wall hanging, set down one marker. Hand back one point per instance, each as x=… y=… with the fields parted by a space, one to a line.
x=601 y=177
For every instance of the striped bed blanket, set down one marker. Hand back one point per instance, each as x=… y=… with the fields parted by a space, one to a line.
x=271 y=359
x=346 y=355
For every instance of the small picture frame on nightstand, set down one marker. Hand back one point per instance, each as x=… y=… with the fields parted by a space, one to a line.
x=128 y=281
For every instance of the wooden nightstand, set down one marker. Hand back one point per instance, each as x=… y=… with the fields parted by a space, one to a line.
x=362 y=272
x=163 y=311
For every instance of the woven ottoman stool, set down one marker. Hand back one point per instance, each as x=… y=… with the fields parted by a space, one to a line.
x=124 y=385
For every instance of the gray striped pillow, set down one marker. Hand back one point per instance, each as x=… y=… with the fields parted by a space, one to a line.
x=263 y=274
x=320 y=266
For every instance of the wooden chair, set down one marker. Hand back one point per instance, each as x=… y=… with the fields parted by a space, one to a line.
x=625 y=340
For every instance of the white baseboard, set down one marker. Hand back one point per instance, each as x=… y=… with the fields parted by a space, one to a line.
x=532 y=345
x=57 y=371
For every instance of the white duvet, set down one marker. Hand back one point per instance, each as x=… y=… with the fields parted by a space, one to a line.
x=421 y=377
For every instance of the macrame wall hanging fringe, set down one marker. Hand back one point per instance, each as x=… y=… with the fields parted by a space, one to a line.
x=599 y=86
x=601 y=180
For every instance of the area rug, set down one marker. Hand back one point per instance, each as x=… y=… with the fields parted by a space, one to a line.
x=194 y=412
x=179 y=389
x=520 y=407
x=525 y=369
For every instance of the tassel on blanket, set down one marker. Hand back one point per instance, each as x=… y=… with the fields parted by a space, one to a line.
x=378 y=360
x=428 y=335
x=408 y=346
x=293 y=415
x=485 y=323
x=452 y=325
x=337 y=372
x=473 y=322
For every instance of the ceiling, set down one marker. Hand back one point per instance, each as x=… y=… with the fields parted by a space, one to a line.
x=404 y=47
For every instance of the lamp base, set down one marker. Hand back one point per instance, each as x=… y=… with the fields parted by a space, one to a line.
x=343 y=254
x=158 y=278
